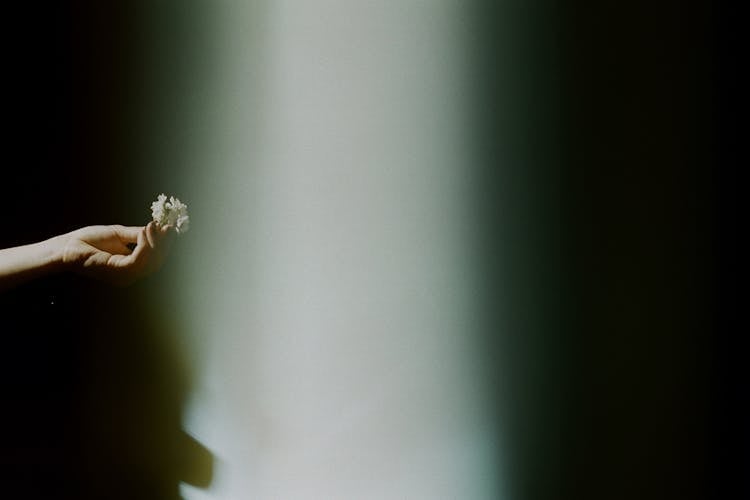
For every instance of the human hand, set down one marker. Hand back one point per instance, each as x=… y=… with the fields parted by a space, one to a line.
x=104 y=252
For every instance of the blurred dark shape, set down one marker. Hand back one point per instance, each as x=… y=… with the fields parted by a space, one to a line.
x=92 y=377
x=93 y=389
x=603 y=160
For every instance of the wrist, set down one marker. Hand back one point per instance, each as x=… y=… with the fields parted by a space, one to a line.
x=23 y=263
x=52 y=253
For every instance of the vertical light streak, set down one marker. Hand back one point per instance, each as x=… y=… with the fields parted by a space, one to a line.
x=330 y=293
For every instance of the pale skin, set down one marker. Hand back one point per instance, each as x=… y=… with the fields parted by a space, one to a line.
x=100 y=252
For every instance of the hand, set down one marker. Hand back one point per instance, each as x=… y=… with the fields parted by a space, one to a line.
x=104 y=252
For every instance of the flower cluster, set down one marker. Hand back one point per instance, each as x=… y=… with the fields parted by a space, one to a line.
x=170 y=212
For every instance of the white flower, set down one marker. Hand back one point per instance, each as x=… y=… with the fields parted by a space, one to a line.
x=158 y=210
x=173 y=213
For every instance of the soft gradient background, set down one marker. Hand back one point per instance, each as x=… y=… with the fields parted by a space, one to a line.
x=439 y=249
x=330 y=283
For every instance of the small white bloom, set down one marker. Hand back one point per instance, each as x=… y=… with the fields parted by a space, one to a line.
x=183 y=224
x=172 y=212
x=158 y=209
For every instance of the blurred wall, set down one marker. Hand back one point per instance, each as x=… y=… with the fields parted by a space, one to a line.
x=439 y=249
x=330 y=280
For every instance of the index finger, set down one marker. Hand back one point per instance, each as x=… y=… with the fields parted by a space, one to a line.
x=127 y=234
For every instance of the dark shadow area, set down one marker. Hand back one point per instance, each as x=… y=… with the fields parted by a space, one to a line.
x=606 y=157
x=92 y=378
x=93 y=389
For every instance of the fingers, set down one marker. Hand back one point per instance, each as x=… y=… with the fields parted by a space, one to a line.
x=156 y=234
x=122 y=270
x=123 y=254
x=151 y=234
x=165 y=236
x=117 y=260
x=162 y=238
x=143 y=247
x=127 y=234
x=153 y=243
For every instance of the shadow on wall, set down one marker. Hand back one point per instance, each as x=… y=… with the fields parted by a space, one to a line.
x=93 y=389
x=91 y=380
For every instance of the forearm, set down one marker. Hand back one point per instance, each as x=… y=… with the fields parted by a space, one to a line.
x=23 y=263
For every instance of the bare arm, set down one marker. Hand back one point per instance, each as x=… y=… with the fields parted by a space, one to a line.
x=20 y=264
x=102 y=252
